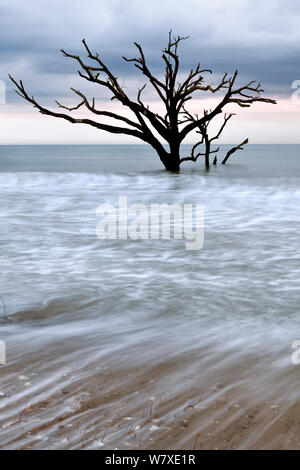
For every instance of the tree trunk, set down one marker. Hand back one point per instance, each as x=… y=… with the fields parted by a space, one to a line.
x=207 y=161
x=171 y=162
x=207 y=152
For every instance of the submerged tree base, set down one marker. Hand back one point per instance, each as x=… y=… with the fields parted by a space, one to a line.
x=171 y=164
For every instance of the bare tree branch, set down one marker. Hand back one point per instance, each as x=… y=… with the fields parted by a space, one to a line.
x=91 y=107
x=113 y=85
x=230 y=98
x=205 y=139
x=234 y=149
x=113 y=129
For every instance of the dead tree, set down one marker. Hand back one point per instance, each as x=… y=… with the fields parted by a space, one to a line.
x=206 y=141
x=176 y=123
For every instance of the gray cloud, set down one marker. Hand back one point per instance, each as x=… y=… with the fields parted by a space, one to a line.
x=261 y=40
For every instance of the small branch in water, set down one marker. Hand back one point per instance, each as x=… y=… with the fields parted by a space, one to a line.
x=234 y=149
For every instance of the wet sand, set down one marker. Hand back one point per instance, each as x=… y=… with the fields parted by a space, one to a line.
x=168 y=403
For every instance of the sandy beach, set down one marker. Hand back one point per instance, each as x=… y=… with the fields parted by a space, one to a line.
x=179 y=403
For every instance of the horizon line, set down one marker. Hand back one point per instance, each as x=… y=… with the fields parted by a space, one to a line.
x=120 y=145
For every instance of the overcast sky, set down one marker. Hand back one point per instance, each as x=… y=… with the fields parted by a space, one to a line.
x=260 y=39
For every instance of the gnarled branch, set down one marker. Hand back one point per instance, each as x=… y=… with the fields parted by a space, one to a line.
x=113 y=129
x=232 y=96
x=234 y=149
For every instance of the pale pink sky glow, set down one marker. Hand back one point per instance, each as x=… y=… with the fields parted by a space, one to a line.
x=263 y=123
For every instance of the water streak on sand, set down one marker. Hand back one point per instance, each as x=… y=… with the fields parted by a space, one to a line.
x=142 y=344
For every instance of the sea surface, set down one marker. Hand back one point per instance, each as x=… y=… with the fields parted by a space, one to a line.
x=108 y=341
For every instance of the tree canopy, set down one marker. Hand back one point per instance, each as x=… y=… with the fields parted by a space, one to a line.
x=164 y=132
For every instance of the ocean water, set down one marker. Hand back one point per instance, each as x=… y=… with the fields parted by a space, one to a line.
x=85 y=314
